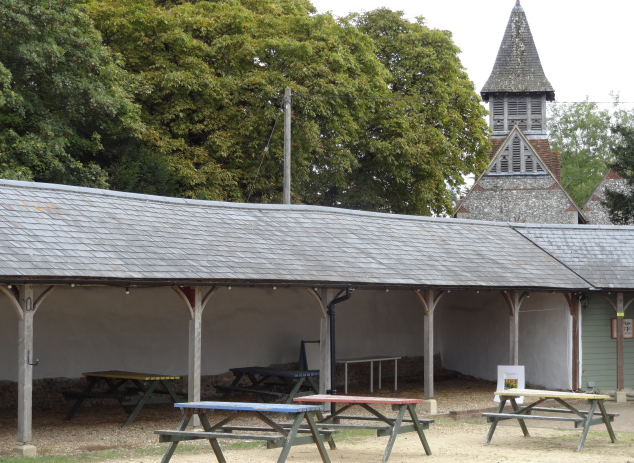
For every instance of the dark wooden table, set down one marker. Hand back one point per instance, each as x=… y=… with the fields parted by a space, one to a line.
x=132 y=390
x=385 y=426
x=275 y=384
x=278 y=435
x=568 y=413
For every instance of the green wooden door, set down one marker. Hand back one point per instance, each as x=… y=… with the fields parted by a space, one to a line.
x=599 y=349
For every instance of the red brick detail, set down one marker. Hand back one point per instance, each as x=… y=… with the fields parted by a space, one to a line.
x=596 y=198
x=587 y=209
x=550 y=158
x=496 y=143
x=613 y=176
x=462 y=210
x=478 y=187
x=571 y=209
x=554 y=186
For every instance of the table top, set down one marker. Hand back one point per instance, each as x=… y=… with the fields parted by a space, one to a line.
x=551 y=394
x=250 y=407
x=350 y=399
x=281 y=372
x=367 y=359
x=128 y=375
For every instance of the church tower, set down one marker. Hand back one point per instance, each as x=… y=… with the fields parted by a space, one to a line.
x=521 y=183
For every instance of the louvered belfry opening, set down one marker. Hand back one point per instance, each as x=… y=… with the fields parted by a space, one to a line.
x=517 y=158
x=524 y=111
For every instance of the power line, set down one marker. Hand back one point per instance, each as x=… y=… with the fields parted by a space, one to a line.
x=430 y=100
x=266 y=150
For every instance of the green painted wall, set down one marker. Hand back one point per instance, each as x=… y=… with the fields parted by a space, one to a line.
x=599 y=349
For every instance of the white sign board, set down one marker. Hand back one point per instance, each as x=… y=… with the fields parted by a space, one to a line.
x=510 y=377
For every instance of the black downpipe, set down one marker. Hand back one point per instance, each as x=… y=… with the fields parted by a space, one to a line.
x=333 y=364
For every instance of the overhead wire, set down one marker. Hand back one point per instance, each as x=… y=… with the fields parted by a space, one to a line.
x=395 y=98
x=266 y=150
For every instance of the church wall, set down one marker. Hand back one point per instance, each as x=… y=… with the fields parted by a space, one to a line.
x=595 y=209
x=518 y=199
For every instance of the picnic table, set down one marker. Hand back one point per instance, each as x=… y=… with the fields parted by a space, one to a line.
x=277 y=434
x=568 y=413
x=140 y=389
x=385 y=426
x=272 y=383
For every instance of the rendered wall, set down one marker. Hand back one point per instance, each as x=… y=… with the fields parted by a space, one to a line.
x=98 y=328
x=475 y=336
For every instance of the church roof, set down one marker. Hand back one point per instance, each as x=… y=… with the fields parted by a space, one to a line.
x=517 y=67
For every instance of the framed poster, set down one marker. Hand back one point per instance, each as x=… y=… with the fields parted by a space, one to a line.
x=628 y=333
x=511 y=377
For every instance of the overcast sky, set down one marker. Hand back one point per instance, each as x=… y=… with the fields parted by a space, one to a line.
x=586 y=47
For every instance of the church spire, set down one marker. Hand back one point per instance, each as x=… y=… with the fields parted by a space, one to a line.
x=517 y=67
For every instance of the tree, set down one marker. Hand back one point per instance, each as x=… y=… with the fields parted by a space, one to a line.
x=581 y=133
x=621 y=204
x=209 y=77
x=436 y=133
x=63 y=98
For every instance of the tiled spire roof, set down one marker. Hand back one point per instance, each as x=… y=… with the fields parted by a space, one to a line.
x=517 y=67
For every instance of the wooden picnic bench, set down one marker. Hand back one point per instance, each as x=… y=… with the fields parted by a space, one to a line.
x=274 y=434
x=276 y=384
x=140 y=389
x=387 y=426
x=578 y=417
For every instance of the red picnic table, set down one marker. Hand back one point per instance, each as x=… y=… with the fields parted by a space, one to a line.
x=391 y=426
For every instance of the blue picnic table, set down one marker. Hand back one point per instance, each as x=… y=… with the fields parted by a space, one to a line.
x=276 y=434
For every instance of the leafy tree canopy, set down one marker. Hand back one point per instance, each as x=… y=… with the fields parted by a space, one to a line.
x=582 y=133
x=389 y=134
x=621 y=204
x=63 y=99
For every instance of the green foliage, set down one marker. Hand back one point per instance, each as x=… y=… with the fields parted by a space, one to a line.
x=432 y=133
x=621 y=204
x=63 y=99
x=209 y=77
x=177 y=97
x=581 y=133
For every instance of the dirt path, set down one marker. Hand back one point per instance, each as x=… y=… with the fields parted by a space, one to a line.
x=449 y=442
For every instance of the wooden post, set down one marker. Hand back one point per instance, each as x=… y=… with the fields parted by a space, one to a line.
x=287 y=146
x=514 y=301
x=429 y=299
x=326 y=295
x=574 y=304
x=25 y=369
x=620 y=315
x=428 y=341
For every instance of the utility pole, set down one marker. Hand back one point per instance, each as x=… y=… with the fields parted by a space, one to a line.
x=287 y=145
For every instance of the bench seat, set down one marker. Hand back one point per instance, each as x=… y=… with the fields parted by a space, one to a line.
x=177 y=436
x=491 y=417
x=565 y=410
x=374 y=418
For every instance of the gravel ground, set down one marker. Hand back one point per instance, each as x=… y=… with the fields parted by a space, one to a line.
x=99 y=428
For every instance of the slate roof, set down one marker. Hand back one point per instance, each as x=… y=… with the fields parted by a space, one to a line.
x=602 y=255
x=517 y=68
x=59 y=234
